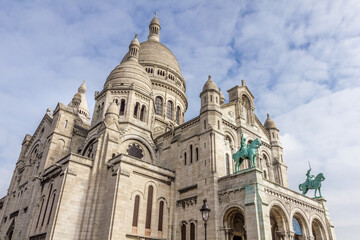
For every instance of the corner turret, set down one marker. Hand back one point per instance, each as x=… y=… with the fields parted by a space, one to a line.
x=80 y=104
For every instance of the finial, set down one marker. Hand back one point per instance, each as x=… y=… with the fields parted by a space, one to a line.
x=219 y=89
x=156 y=14
x=268 y=115
x=136 y=35
x=48 y=111
x=209 y=77
x=243 y=83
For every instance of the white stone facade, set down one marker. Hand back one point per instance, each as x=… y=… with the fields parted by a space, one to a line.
x=138 y=171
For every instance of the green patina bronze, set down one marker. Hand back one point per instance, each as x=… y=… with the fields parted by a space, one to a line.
x=248 y=151
x=312 y=183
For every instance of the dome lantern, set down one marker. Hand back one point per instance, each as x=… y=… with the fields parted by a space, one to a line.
x=134 y=49
x=154 y=29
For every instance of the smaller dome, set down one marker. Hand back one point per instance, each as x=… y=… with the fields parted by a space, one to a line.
x=155 y=20
x=269 y=123
x=135 y=41
x=210 y=85
x=112 y=109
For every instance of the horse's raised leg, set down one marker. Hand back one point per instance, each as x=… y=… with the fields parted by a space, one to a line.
x=320 y=191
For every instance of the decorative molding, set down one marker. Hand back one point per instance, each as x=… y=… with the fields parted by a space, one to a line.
x=293 y=200
x=186 y=202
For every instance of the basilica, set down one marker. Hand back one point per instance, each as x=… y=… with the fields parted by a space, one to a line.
x=134 y=169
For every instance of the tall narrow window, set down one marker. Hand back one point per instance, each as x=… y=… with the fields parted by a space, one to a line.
x=183 y=232
x=161 y=215
x=65 y=124
x=185 y=158
x=169 y=109
x=158 y=105
x=122 y=107
x=227 y=165
x=149 y=207
x=191 y=153
x=136 y=109
x=136 y=211
x=51 y=208
x=47 y=203
x=42 y=204
x=178 y=115
x=142 y=113
x=192 y=231
x=219 y=125
x=205 y=124
x=210 y=98
x=197 y=154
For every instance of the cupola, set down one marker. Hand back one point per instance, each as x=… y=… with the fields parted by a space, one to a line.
x=154 y=29
x=269 y=123
x=134 y=48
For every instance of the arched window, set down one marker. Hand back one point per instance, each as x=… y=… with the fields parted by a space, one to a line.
x=158 y=105
x=191 y=153
x=149 y=207
x=122 y=107
x=161 y=216
x=192 y=231
x=169 y=109
x=136 y=211
x=40 y=210
x=136 y=109
x=197 y=154
x=227 y=165
x=178 y=115
x=51 y=207
x=47 y=203
x=185 y=158
x=142 y=113
x=183 y=232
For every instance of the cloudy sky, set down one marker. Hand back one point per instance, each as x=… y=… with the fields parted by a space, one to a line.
x=301 y=60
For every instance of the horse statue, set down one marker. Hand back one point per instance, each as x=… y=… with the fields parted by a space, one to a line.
x=248 y=151
x=312 y=184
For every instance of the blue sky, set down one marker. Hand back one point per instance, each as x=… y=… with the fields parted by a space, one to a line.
x=300 y=59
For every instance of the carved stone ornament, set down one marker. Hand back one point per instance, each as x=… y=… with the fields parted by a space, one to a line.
x=135 y=150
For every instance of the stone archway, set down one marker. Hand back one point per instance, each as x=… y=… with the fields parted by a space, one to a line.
x=301 y=231
x=234 y=223
x=317 y=230
x=279 y=223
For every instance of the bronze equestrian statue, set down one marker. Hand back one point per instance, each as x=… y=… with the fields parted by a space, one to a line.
x=248 y=151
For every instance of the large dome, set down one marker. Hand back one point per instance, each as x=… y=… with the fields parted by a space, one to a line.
x=129 y=73
x=152 y=52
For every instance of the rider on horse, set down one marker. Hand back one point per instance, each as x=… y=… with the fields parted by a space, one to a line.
x=309 y=177
x=243 y=148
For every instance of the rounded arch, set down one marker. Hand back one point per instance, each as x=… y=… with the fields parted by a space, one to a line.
x=317 y=228
x=88 y=149
x=299 y=215
x=159 y=199
x=234 y=219
x=279 y=219
x=229 y=135
x=136 y=192
x=146 y=188
x=141 y=140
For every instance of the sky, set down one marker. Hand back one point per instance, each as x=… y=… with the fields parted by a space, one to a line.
x=300 y=59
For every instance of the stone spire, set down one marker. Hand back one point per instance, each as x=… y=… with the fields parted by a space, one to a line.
x=154 y=29
x=134 y=49
x=79 y=102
